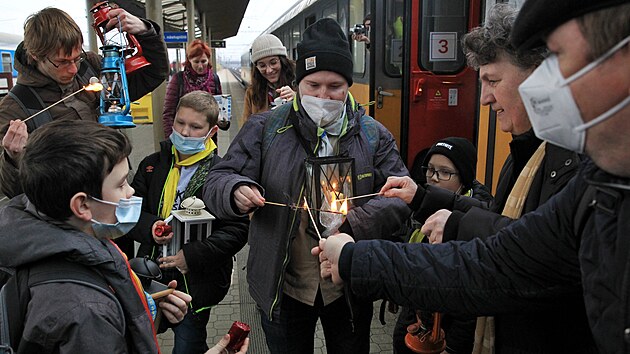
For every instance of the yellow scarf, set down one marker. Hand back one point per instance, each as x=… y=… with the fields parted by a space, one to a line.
x=170 y=186
x=485 y=332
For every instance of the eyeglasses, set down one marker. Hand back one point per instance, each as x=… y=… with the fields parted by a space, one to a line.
x=272 y=63
x=66 y=63
x=442 y=175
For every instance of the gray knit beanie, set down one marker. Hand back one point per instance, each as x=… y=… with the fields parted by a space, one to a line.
x=266 y=46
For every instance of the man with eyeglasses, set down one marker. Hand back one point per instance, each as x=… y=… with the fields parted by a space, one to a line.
x=52 y=69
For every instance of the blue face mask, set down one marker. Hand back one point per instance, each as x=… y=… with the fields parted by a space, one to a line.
x=127 y=215
x=188 y=145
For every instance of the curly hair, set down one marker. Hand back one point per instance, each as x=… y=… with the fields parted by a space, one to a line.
x=484 y=45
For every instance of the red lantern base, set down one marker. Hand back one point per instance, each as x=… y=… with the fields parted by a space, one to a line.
x=134 y=63
x=422 y=342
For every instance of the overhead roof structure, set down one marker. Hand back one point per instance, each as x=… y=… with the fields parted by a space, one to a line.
x=222 y=17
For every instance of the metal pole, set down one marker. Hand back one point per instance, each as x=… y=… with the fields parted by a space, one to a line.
x=94 y=42
x=154 y=13
x=190 y=20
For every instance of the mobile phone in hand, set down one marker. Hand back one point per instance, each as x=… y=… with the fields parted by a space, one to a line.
x=238 y=332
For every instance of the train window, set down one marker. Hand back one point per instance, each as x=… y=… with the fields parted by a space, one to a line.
x=443 y=24
x=359 y=50
x=394 y=12
x=295 y=38
x=6 y=63
x=309 y=20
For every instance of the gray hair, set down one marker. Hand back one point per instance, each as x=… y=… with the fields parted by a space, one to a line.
x=486 y=44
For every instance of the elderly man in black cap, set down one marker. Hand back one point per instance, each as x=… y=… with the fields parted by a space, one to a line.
x=268 y=158
x=577 y=242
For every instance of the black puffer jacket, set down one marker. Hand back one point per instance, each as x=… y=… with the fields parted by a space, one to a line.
x=576 y=245
x=210 y=260
x=524 y=333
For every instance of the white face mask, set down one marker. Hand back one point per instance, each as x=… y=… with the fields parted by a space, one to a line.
x=552 y=111
x=322 y=111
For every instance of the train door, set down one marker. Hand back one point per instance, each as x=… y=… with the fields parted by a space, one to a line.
x=386 y=63
x=442 y=90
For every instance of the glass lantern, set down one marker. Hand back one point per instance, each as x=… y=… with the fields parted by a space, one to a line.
x=330 y=181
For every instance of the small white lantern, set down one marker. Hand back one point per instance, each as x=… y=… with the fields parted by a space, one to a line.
x=192 y=213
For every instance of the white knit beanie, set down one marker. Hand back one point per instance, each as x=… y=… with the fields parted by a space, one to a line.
x=265 y=46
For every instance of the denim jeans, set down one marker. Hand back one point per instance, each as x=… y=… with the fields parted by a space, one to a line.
x=294 y=330
x=190 y=334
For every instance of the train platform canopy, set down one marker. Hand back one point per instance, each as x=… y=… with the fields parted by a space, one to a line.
x=222 y=17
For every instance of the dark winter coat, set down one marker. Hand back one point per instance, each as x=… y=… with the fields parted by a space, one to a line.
x=470 y=219
x=140 y=83
x=573 y=246
x=281 y=176
x=71 y=317
x=209 y=261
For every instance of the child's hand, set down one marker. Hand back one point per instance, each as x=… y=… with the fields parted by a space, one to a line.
x=162 y=232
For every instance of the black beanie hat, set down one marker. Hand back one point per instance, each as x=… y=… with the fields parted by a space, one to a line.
x=463 y=154
x=538 y=18
x=324 y=46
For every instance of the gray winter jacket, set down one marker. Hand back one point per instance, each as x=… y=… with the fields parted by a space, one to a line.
x=281 y=177
x=71 y=317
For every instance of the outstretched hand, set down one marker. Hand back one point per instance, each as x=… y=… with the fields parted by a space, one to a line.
x=220 y=348
x=175 y=305
x=433 y=228
x=329 y=250
x=14 y=140
x=400 y=187
x=247 y=198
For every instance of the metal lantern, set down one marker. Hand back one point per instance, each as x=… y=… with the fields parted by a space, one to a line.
x=115 y=104
x=192 y=213
x=122 y=54
x=130 y=48
x=330 y=181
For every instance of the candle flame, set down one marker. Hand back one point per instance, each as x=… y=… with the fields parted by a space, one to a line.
x=95 y=86
x=344 y=207
x=333 y=203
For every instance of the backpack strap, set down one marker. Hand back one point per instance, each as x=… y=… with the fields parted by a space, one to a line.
x=180 y=84
x=370 y=129
x=31 y=102
x=275 y=124
x=15 y=294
